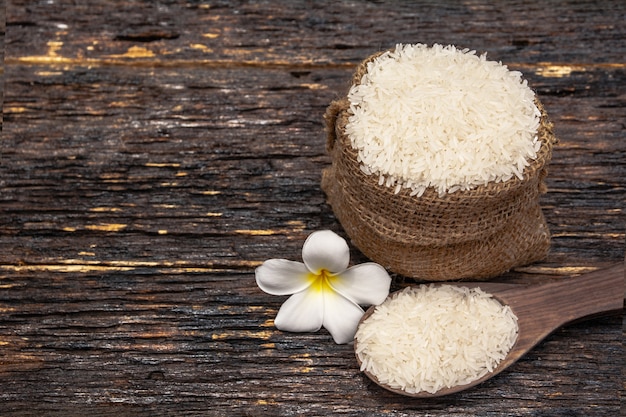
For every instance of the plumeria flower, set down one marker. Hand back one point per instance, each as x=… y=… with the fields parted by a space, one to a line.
x=324 y=291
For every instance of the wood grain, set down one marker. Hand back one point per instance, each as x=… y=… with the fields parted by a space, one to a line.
x=154 y=153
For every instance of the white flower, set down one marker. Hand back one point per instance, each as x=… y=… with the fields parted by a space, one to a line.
x=325 y=291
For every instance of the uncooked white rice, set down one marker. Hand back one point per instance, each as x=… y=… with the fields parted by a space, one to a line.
x=430 y=337
x=442 y=117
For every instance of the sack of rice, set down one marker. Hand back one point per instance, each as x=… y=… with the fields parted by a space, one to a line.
x=438 y=160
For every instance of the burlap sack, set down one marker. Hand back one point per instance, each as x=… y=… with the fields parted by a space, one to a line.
x=480 y=233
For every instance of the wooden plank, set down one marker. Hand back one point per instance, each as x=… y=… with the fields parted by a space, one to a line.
x=299 y=32
x=153 y=154
x=240 y=166
x=217 y=174
x=175 y=343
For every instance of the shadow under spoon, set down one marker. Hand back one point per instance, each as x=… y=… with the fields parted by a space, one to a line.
x=540 y=310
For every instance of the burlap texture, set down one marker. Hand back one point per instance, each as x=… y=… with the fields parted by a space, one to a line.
x=479 y=233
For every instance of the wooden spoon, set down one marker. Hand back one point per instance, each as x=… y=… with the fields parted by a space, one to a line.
x=540 y=309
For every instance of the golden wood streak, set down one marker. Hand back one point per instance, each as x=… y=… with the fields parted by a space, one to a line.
x=127 y=60
x=135 y=59
x=78 y=265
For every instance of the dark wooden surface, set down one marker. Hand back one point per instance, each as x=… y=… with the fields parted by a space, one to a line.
x=154 y=153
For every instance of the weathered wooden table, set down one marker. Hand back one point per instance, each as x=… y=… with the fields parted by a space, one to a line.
x=154 y=153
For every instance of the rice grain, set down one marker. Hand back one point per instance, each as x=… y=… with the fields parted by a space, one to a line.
x=442 y=117
x=431 y=337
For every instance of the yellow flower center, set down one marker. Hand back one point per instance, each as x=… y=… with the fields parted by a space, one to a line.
x=321 y=282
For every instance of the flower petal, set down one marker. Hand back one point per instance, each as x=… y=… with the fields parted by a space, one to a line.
x=365 y=284
x=282 y=277
x=341 y=317
x=302 y=312
x=327 y=250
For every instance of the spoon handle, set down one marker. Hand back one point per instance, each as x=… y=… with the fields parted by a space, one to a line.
x=556 y=303
x=589 y=294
